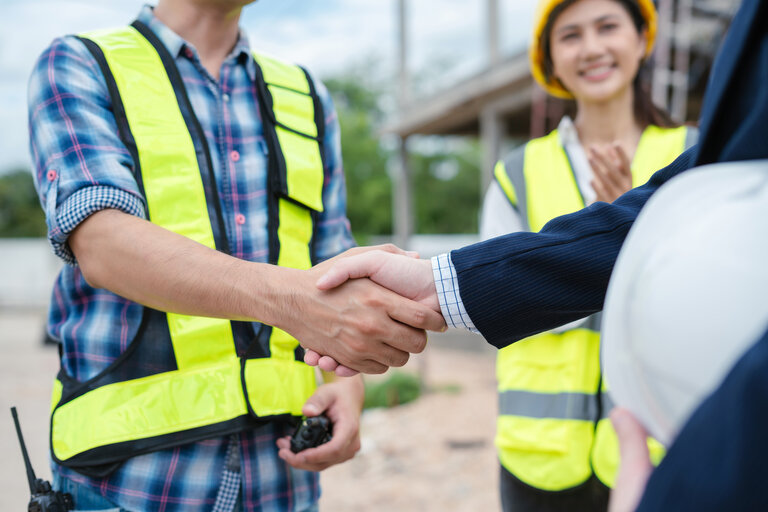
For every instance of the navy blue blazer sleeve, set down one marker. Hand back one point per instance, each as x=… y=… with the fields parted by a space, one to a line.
x=521 y=284
x=717 y=462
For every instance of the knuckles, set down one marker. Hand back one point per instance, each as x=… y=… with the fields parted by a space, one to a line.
x=419 y=318
x=368 y=327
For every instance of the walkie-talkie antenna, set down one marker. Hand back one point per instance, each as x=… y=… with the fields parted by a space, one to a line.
x=30 y=472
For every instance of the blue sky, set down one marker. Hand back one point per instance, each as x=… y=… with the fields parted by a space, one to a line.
x=447 y=40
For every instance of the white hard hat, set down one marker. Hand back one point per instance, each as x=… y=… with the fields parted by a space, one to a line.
x=688 y=294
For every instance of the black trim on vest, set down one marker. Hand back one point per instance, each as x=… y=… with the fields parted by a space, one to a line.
x=276 y=167
x=298 y=353
x=73 y=388
x=271 y=113
x=319 y=114
x=269 y=127
x=123 y=129
x=253 y=351
x=202 y=150
x=101 y=461
x=320 y=123
x=277 y=181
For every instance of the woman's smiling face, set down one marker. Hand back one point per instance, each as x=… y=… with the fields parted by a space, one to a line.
x=595 y=49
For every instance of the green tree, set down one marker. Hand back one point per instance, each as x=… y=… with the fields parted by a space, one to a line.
x=369 y=191
x=446 y=185
x=444 y=170
x=20 y=212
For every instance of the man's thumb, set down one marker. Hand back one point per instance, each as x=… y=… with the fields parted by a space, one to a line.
x=316 y=403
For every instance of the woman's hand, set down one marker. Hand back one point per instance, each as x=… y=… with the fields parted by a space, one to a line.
x=612 y=170
x=635 y=464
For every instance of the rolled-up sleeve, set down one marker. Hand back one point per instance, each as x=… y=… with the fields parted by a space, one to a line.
x=80 y=164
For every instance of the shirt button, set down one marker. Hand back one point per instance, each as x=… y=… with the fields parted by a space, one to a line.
x=235 y=156
x=188 y=52
x=225 y=97
x=240 y=218
x=51 y=175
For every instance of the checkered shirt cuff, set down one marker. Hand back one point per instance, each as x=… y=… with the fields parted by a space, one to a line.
x=83 y=203
x=447 y=285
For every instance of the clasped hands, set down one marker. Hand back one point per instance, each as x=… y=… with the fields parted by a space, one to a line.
x=365 y=310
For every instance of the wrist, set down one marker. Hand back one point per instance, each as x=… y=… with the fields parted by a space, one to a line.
x=268 y=292
x=356 y=388
x=429 y=295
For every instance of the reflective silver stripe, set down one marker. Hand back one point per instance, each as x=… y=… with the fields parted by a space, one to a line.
x=561 y=406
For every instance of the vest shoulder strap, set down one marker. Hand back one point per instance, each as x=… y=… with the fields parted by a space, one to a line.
x=294 y=123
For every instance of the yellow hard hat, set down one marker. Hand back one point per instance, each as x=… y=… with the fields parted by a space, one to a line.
x=536 y=52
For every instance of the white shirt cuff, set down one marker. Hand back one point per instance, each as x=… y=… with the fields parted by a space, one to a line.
x=447 y=285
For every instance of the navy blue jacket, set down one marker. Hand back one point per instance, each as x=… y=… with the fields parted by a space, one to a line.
x=561 y=273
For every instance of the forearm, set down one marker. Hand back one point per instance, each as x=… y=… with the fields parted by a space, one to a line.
x=150 y=265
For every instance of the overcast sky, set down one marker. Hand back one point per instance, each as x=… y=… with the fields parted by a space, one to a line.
x=447 y=39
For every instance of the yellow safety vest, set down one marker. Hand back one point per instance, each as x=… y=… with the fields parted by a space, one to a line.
x=552 y=430
x=95 y=425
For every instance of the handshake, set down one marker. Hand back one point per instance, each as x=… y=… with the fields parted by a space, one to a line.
x=363 y=311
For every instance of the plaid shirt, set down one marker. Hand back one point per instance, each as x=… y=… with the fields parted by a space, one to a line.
x=82 y=167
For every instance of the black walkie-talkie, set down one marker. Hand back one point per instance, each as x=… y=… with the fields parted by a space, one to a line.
x=44 y=498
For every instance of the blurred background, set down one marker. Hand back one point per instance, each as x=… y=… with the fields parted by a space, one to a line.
x=430 y=93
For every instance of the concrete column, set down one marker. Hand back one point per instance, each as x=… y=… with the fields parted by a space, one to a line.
x=683 y=22
x=402 y=198
x=494 y=54
x=491 y=134
x=662 y=55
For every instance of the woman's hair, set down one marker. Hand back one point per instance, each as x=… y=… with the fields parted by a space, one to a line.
x=646 y=112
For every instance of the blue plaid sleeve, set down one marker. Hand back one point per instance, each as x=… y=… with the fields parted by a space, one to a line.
x=80 y=164
x=447 y=286
x=333 y=232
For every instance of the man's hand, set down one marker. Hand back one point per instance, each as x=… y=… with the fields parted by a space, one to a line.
x=612 y=169
x=635 y=464
x=402 y=273
x=360 y=324
x=342 y=402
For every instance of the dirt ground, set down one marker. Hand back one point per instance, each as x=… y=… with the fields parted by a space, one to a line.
x=434 y=454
